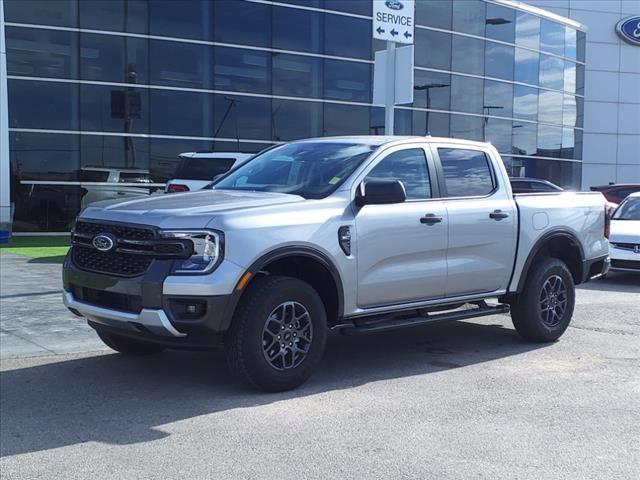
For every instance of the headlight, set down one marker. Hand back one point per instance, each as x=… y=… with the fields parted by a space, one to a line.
x=207 y=250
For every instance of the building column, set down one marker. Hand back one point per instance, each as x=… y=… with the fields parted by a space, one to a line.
x=5 y=173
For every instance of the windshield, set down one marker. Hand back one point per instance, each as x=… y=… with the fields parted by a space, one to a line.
x=628 y=210
x=308 y=169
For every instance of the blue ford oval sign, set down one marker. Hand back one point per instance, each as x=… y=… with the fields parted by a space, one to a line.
x=103 y=242
x=629 y=29
x=394 y=4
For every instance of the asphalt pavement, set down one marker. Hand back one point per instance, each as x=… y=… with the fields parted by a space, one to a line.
x=458 y=400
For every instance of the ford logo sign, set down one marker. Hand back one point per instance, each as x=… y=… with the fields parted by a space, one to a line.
x=629 y=29
x=394 y=4
x=103 y=242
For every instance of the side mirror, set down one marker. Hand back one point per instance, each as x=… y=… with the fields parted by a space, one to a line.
x=380 y=192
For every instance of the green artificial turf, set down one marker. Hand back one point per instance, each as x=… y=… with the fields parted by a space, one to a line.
x=40 y=249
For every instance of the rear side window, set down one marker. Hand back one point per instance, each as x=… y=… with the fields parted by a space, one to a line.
x=134 y=177
x=202 y=168
x=410 y=167
x=543 y=187
x=94 y=176
x=467 y=173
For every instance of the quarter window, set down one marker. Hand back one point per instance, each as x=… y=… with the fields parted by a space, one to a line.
x=466 y=172
x=410 y=167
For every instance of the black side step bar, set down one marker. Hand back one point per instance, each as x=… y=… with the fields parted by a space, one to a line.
x=392 y=323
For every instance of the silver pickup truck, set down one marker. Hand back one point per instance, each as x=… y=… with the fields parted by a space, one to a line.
x=356 y=234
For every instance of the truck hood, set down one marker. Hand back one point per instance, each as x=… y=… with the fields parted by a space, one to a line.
x=183 y=210
x=625 y=231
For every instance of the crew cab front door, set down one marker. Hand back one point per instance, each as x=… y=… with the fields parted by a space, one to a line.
x=401 y=248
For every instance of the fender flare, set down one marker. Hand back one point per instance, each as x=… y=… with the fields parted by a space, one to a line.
x=540 y=244
x=278 y=254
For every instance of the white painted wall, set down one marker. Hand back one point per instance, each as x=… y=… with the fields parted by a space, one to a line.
x=611 y=151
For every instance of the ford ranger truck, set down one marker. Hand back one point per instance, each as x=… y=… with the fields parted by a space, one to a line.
x=356 y=234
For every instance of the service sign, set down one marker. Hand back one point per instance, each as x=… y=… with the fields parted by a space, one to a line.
x=629 y=29
x=393 y=20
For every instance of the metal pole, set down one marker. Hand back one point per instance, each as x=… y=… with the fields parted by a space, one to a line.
x=390 y=94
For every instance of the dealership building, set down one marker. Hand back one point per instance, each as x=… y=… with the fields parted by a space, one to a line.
x=106 y=93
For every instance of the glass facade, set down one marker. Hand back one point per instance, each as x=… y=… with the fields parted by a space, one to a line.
x=124 y=86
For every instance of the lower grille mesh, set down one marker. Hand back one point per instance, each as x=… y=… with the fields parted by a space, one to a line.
x=626 y=264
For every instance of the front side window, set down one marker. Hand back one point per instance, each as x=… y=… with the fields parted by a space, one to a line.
x=309 y=169
x=408 y=166
x=467 y=173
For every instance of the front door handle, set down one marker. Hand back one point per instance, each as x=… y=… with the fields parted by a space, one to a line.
x=498 y=215
x=430 y=219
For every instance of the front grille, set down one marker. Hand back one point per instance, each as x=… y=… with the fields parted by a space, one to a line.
x=115 y=263
x=626 y=246
x=630 y=264
x=169 y=248
x=133 y=250
x=120 y=231
x=111 y=300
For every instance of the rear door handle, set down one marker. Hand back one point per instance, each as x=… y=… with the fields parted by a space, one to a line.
x=430 y=219
x=498 y=215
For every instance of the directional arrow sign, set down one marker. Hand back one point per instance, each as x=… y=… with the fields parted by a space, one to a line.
x=393 y=20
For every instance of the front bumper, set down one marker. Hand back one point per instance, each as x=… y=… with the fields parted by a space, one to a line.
x=154 y=321
x=624 y=260
x=145 y=308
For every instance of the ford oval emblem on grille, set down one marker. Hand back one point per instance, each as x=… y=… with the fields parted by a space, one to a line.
x=103 y=242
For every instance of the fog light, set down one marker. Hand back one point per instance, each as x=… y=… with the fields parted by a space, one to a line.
x=188 y=309
x=192 y=309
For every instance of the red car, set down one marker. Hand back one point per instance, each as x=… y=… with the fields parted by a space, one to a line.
x=616 y=192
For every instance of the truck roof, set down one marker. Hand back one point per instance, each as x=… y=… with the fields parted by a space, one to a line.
x=237 y=155
x=378 y=140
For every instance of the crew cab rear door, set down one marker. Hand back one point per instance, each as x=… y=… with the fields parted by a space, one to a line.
x=401 y=248
x=482 y=220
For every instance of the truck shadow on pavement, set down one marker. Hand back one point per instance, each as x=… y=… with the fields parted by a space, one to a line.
x=121 y=400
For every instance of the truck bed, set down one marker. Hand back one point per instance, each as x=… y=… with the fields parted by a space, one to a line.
x=580 y=214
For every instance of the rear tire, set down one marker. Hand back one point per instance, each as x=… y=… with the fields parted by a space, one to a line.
x=278 y=334
x=543 y=310
x=129 y=346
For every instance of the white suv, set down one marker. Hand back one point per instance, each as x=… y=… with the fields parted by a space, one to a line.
x=196 y=170
x=103 y=183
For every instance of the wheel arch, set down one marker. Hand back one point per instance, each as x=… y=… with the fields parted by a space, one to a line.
x=561 y=244
x=304 y=263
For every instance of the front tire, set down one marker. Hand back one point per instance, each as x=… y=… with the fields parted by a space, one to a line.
x=278 y=334
x=543 y=310
x=129 y=346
